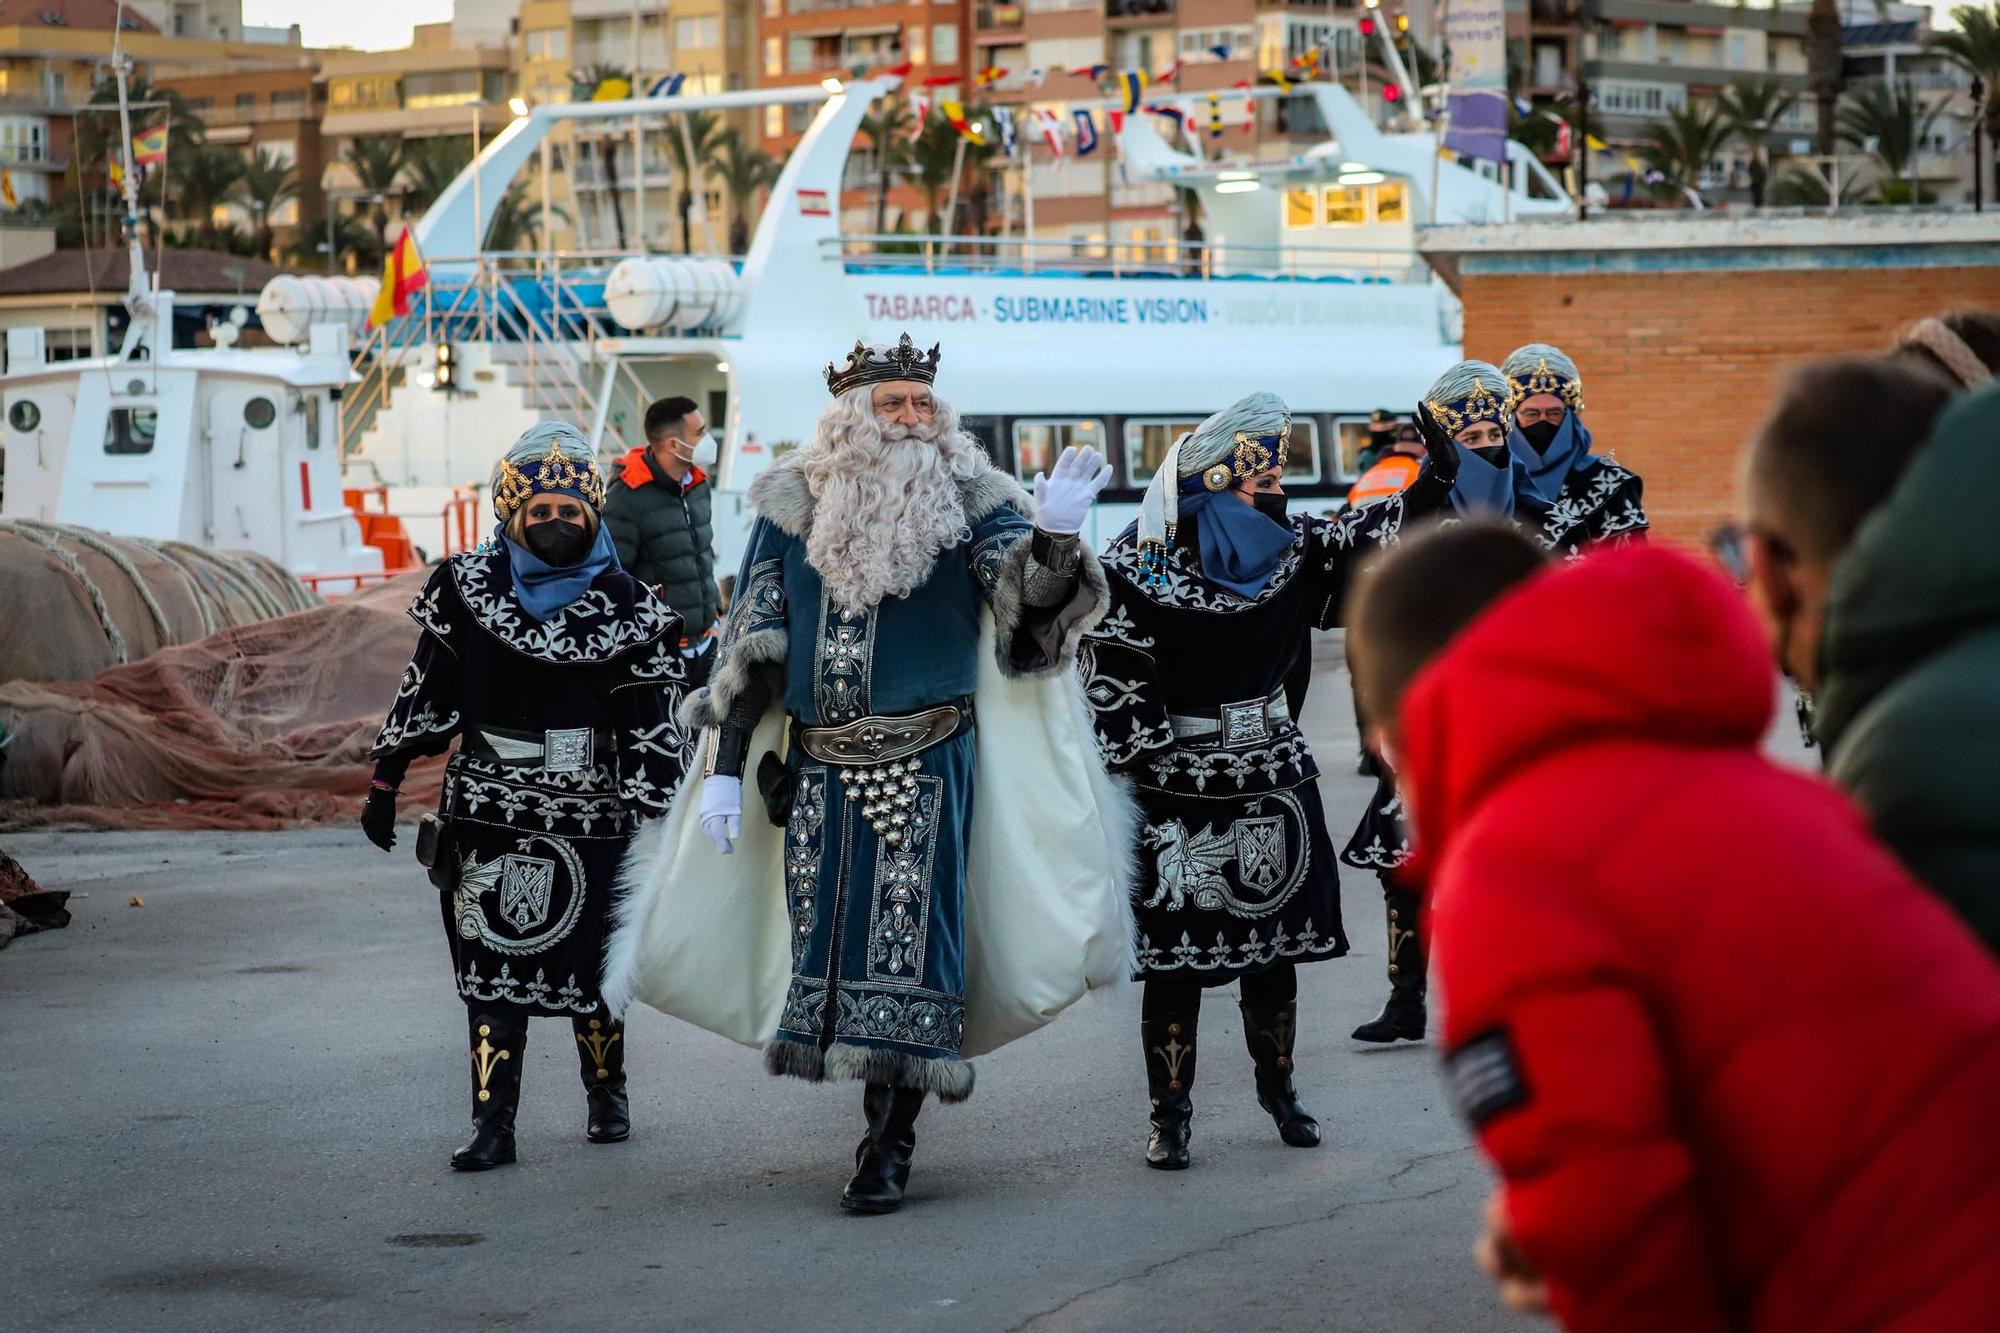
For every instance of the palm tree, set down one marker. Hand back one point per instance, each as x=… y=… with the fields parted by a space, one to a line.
x=431 y=164
x=204 y=179
x=584 y=83
x=933 y=157
x=1799 y=186
x=888 y=131
x=1975 y=48
x=1685 y=143
x=377 y=163
x=349 y=238
x=743 y=170
x=1750 y=108
x=1892 y=124
x=516 y=220
x=97 y=133
x=267 y=184
x=704 y=131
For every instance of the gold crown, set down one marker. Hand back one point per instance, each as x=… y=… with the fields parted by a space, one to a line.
x=553 y=471
x=1252 y=455
x=866 y=366
x=1479 y=405
x=1543 y=380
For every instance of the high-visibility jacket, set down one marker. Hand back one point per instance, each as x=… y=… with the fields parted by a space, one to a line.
x=1388 y=477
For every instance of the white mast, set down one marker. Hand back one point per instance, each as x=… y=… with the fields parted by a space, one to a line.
x=138 y=292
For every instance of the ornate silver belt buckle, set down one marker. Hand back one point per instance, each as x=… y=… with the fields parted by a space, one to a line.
x=1245 y=724
x=568 y=750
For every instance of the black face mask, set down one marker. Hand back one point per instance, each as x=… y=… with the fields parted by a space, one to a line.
x=559 y=542
x=1542 y=434
x=1271 y=504
x=1494 y=454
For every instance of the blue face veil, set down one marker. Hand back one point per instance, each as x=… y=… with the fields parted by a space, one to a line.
x=1469 y=393
x=1539 y=369
x=552 y=458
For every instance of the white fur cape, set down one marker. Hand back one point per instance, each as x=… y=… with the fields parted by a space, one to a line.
x=707 y=938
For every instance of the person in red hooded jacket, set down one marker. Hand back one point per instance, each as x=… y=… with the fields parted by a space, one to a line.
x=1736 y=1068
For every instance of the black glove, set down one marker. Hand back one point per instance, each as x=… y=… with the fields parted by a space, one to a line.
x=378 y=818
x=1443 y=449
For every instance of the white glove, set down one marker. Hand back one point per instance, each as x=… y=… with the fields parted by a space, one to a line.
x=722 y=811
x=1064 y=497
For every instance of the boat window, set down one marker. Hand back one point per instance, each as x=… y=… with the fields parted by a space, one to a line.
x=259 y=413
x=1147 y=440
x=130 y=430
x=1302 y=454
x=1353 y=438
x=24 y=416
x=1392 y=202
x=1301 y=208
x=1346 y=205
x=312 y=421
x=1037 y=444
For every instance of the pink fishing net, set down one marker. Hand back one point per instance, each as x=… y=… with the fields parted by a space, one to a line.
x=258 y=726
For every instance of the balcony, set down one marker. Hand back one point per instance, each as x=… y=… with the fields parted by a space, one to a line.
x=1137 y=11
x=999 y=16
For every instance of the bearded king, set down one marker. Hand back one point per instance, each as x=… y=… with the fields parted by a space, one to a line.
x=932 y=862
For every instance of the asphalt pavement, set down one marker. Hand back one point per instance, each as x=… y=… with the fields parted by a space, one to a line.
x=229 y=1090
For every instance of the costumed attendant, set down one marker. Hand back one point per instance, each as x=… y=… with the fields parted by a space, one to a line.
x=935 y=866
x=559 y=675
x=1588 y=499
x=1214 y=592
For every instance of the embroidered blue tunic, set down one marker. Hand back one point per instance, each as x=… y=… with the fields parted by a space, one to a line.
x=878 y=930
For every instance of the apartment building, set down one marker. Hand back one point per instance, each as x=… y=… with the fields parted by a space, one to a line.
x=277 y=111
x=53 y=52
x=1891 y=47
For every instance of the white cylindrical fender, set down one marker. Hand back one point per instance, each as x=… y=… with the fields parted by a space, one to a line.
x=291 y=304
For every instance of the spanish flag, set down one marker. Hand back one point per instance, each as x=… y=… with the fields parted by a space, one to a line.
x=7 y=189
x=989 y=76
x=150 y=148
x=954 y=116
x=403 y=276
x=1132 y=87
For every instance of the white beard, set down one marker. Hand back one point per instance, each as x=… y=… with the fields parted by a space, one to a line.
x=886 y=502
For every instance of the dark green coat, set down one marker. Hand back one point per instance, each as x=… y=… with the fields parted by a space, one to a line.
x=1909 y=703
x=664 y=538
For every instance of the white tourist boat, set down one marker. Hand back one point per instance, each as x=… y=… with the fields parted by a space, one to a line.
x=278 y=450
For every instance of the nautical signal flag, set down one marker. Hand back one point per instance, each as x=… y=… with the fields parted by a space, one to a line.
x=1167 y=75
x=1051 y=130
x=1220 y=50
x=989 y=76
x=1131 y=89
x=1278 y=77
x=1086 y=133
x=941 y=80
x=403 y=276
x=1215 y=115
x=667 y=87
x=1003 y=119
x=1091 y=72
x=7 y=195
x=149 y=149
x=611 y=90
x=954 y=116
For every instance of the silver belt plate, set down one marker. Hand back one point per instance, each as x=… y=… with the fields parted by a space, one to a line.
x=1245 y=724
x=567 y=750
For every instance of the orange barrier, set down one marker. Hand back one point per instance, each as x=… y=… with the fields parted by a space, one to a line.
x=461 y=520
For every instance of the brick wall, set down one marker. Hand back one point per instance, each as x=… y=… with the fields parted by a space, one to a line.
x=1679 y=366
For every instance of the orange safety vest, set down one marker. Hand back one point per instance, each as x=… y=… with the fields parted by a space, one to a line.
x=1388 y=477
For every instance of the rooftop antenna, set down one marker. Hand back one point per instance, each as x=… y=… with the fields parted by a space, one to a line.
x=139 y=302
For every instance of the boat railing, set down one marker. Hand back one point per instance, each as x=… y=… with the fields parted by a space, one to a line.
x=1001 y=256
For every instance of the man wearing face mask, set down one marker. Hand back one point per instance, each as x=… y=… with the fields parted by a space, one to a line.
x=657 y=512
x=1214 y=593
x=1585 y=498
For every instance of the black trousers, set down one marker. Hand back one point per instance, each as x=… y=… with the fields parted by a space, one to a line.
x=1275 y=985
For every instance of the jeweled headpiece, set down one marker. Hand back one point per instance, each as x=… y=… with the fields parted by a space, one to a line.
x=1249 y=436
x=1539 y=368
x=551 y=458
x=879 y=365
x=1471 y=391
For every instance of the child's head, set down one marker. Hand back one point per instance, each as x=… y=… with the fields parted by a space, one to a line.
x=1415 y=599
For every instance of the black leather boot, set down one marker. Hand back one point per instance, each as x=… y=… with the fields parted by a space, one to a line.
x=882 y=1160
x=1169 y=1039
x=600 y=1046
x=499 y=1037
x=1404 y=1017
x=1269 y=1032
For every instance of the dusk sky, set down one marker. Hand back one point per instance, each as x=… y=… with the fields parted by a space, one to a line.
x=367 y=24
